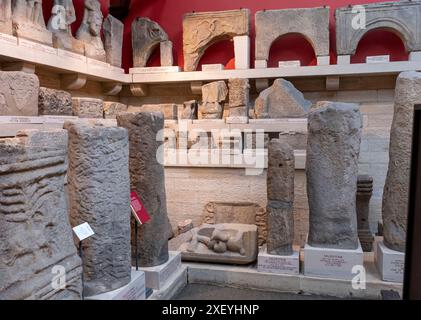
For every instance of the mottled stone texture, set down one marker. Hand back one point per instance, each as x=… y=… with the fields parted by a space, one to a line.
x=201 y=30
x=35 y=233
x=396 y=189
x=99 y=193
x=213 y=94
x=146 y=36
x=147 y=179
x=402 y=17
x=6 y=16
x=111 y=109
x=54 y=102
x=113 y=35
x=312 y=23
x=87 y=107
x=18 y=94
x=281 y=100
x=280 y=193
x=238 y=99
x=364 y=192
x=333 y=146
x=168 y=109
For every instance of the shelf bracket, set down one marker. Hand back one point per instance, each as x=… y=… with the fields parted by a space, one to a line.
x=262 y=84
x=139 y=89
x=74 y=81
x=196 y=87
x=111 y=88
x=332 y=83
x=19 y=66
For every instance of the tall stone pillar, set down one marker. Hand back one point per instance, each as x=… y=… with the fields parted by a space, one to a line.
x=333 y=146
x=147 y=179
x=99 y=193
x=37 y=252
x=396 y=189
x=280 y=193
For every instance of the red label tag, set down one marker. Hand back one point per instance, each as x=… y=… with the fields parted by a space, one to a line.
x=138 y=210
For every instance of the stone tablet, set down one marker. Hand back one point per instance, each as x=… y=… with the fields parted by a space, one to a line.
x=6 y=16
x=87 y=107
x=18 y=94
x=146 y=36
x=54 y=102
x=333 y=147
x=111 y=109
x=113 y=33
x=147 y=179
x=203 y=29
x=280 y=191
x=35 y=234
x=99 y=194
x=281 y=100
x=396 y=188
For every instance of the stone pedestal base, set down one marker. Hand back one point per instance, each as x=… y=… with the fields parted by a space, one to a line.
x=332 y=263
x=135 y=290
x=157 y=276
x=278 y=264
x=390 y=263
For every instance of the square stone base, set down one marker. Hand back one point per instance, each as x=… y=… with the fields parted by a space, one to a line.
x=390 y=263
x=135 y=290
x=332 y=263
x=156 y=277
x=278 y=264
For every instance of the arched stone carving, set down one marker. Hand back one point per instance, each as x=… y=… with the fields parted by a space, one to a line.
x=201 y=30
x=312 y=23
x=402 y=18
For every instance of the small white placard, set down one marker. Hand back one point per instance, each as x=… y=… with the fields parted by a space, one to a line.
x=83 y=231
x=21 y=119
x=289 y=63
x=377 y=59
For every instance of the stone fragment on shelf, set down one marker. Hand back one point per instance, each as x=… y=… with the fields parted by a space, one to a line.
x=189 y=110
x=6 y=17
x=87 y=107
x=364 y=192
x=54 y=102
x=213 y=94
x=112 y=108
x=113 y=35
x=169 y=110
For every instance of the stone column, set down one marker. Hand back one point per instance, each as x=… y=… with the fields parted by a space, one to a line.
x=364 y=191
x=280 y=193
x=36 y=241
x=333 y=147
x=147 y=179
x=396 y=189
x=99 y=193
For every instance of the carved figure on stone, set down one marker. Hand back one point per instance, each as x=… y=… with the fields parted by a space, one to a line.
x=146 y=36
x=6 y=17
x=90 y=31
x=213 y=94
x=113 y=34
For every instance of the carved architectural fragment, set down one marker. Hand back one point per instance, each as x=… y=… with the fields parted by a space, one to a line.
x=168 y=109
x=113 y=34
x=213 y=94
x=35 y=234
x=201 y=30
x=6 y=17
x=87 y=107
x=189 y=110
x=111 y=109
x=238 y=101
x=54 y=102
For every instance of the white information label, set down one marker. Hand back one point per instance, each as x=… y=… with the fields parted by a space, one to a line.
x=83 y=231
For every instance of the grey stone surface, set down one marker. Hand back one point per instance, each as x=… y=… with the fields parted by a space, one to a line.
x=203 y=29
x=281 y=100
x=232 y=243
x=364 y=192
x=62 y=16
x=238 y=98
x=6 y=16
x=396 y=189
x=334 y=137
x=402 y=17
x=113 y=43
x=54 y=102
x=312 y=23
x=189 y=110
x=87 y=107
x=146 y=36
x=213 y=94
x=169 y=110
x=89 y=31
x=99 y=194
x=28 y=21
x=147 y=179
x=112 y=108
x=35 y=234
x=18 y=94
x=280 y=193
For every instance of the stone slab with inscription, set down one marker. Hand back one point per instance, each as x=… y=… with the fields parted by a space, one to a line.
x=390 y=263
x=278 y=264
x=156 y=277
x=331 y=263
x=135 y=290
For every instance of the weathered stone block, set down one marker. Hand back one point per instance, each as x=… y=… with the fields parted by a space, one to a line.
x=6 y=17
x=111 y=109
x=35 y=234
x=203 y=29
x=113 y=34
x=334 y=137
x=147 y=179
x=169 y=110
x=99 y=193
x=190 y=110
x=238 y=92
x=87 y=107
x=54 y=102
x=213 y=94
x=166 y=53
x=18 y=94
